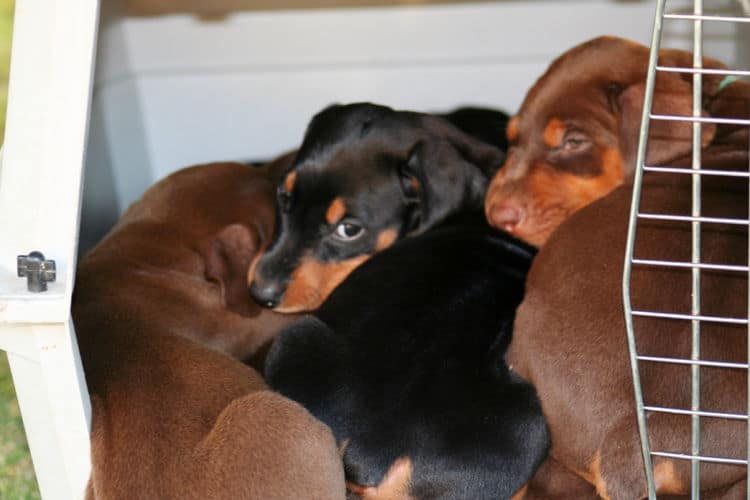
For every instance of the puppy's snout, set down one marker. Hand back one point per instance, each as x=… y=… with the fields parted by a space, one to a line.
x=505 y=216
x=266 y=294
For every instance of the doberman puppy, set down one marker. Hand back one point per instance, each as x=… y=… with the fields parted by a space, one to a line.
x=163 y=318
x=575 y=136
x=569 y=338
x=404 y=361
x=364 y=177
x=572 y=143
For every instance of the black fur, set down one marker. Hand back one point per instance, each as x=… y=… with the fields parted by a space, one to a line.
x=371 y=157
x=487 y=125
x=405 y=359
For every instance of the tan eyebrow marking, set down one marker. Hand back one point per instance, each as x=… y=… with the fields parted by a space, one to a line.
x=512 y=131
x=554 y=132
x=335 y=211
x=289 y=181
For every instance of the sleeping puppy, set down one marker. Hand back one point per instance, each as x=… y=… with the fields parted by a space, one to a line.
x=574 y=139
x=162 y=321
x=572 y=144
x=404 y=361
x=364 y=177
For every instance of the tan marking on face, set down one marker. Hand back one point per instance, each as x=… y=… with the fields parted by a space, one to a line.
x=549 y=196
x=394 y=486
x=289 y=181
x=666 y=479
x=335 y=211
x=313 y=281
x=511 y=132
x=554 y=133
x=385 y=239
x=415 y=184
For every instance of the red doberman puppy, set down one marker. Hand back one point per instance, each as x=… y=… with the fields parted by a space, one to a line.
x=575 y=136
x=163 y=319
x=571 y=145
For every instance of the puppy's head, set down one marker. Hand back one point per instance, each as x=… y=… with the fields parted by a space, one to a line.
x=364 y=177
x=576 y=134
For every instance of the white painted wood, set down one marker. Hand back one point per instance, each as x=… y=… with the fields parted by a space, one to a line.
x=48 y=109
x=40 y=191
x=54 y=405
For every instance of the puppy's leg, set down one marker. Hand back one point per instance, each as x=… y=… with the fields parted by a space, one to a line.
x=174 y=420
x=553 y=481
x=304 y=365
x=738 y=491
x=278 y=449
x=616 y=469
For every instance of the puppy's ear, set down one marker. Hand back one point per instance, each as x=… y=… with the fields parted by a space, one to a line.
x=732 y=101
x=456 y=170
x=684 y=59
x=410 y=175
x=227 y=257
x=278 y=168
x=486 y=158
x=673 y=95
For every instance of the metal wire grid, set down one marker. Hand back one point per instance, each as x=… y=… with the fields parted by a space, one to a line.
x=697 y=17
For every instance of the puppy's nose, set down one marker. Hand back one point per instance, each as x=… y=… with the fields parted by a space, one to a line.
x=505 y=216
x=266 y=294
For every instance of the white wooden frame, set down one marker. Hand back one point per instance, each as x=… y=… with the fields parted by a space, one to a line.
x=40 y=192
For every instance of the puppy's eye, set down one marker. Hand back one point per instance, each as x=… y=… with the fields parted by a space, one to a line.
x=574 y=142
x=348 y=231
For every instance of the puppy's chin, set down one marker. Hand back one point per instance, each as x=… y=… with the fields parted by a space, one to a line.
x=295 y=308
x=531 y=231
x=535 y=238
x=313 y=281
x=299 y=298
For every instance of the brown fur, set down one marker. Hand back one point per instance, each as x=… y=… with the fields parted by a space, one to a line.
x=569 y=337
x=574 y=351
x=554 y=481
x=594 y=91
x=162 y=317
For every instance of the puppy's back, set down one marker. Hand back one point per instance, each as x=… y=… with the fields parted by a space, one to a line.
x=405 y=360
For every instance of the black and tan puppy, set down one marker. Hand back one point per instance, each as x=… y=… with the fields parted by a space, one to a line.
x=364 y=177
x=404 y=361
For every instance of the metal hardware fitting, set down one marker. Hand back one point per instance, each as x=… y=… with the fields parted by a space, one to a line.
x=37 y=271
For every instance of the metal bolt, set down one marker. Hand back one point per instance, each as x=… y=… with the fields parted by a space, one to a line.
x=37 y=271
